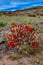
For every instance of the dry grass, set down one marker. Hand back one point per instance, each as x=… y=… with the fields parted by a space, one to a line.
x=15 y=57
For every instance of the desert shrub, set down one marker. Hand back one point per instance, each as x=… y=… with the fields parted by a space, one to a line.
x=23 y=37
x=2 y=23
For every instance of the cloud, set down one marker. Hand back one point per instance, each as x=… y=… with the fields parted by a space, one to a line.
x=5 y=6
x=26 y=0
x=18 y=3
x=38 y=4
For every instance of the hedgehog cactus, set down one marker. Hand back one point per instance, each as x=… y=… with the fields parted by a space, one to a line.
x=22 y=35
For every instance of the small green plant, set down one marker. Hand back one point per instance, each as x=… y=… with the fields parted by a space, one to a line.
x=2 y=23
x=40 y=30
x=35 y=28
x=13 y=22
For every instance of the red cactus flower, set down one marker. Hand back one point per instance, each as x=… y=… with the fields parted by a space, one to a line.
x=14 y=35
x=20 y=26
x=21 y=33
x=33 y=45
x=37 y=44
x=11 y=44
x=12 y=39
x=12 y=30
x=14 y=25
x=33 y=36
x=17 y=29
x=9 y=36
x=33 y=32
x=16 y=39
x=29 y=28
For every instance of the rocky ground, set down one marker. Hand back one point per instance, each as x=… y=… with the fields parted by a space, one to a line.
x=26 y=60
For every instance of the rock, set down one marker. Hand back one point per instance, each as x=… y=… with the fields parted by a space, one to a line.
x=1 y=28
x=1 y=38
x=38 y=60
x=3 y=48
x=41 y=62
x=12 y=50
x=7 y=28
x=41 y=23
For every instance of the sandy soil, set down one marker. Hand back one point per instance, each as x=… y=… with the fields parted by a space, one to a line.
x=33 y=60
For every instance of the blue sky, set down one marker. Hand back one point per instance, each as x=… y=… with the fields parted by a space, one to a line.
x=12 y=5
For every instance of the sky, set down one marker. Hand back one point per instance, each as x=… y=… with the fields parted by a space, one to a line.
x=12 y=5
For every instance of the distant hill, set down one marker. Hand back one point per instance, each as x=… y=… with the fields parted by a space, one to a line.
x=32 y=12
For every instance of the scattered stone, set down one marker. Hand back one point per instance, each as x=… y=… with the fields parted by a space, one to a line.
x=1 y=38
x=41 y=63
x=3 y=48
x=7 y=28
